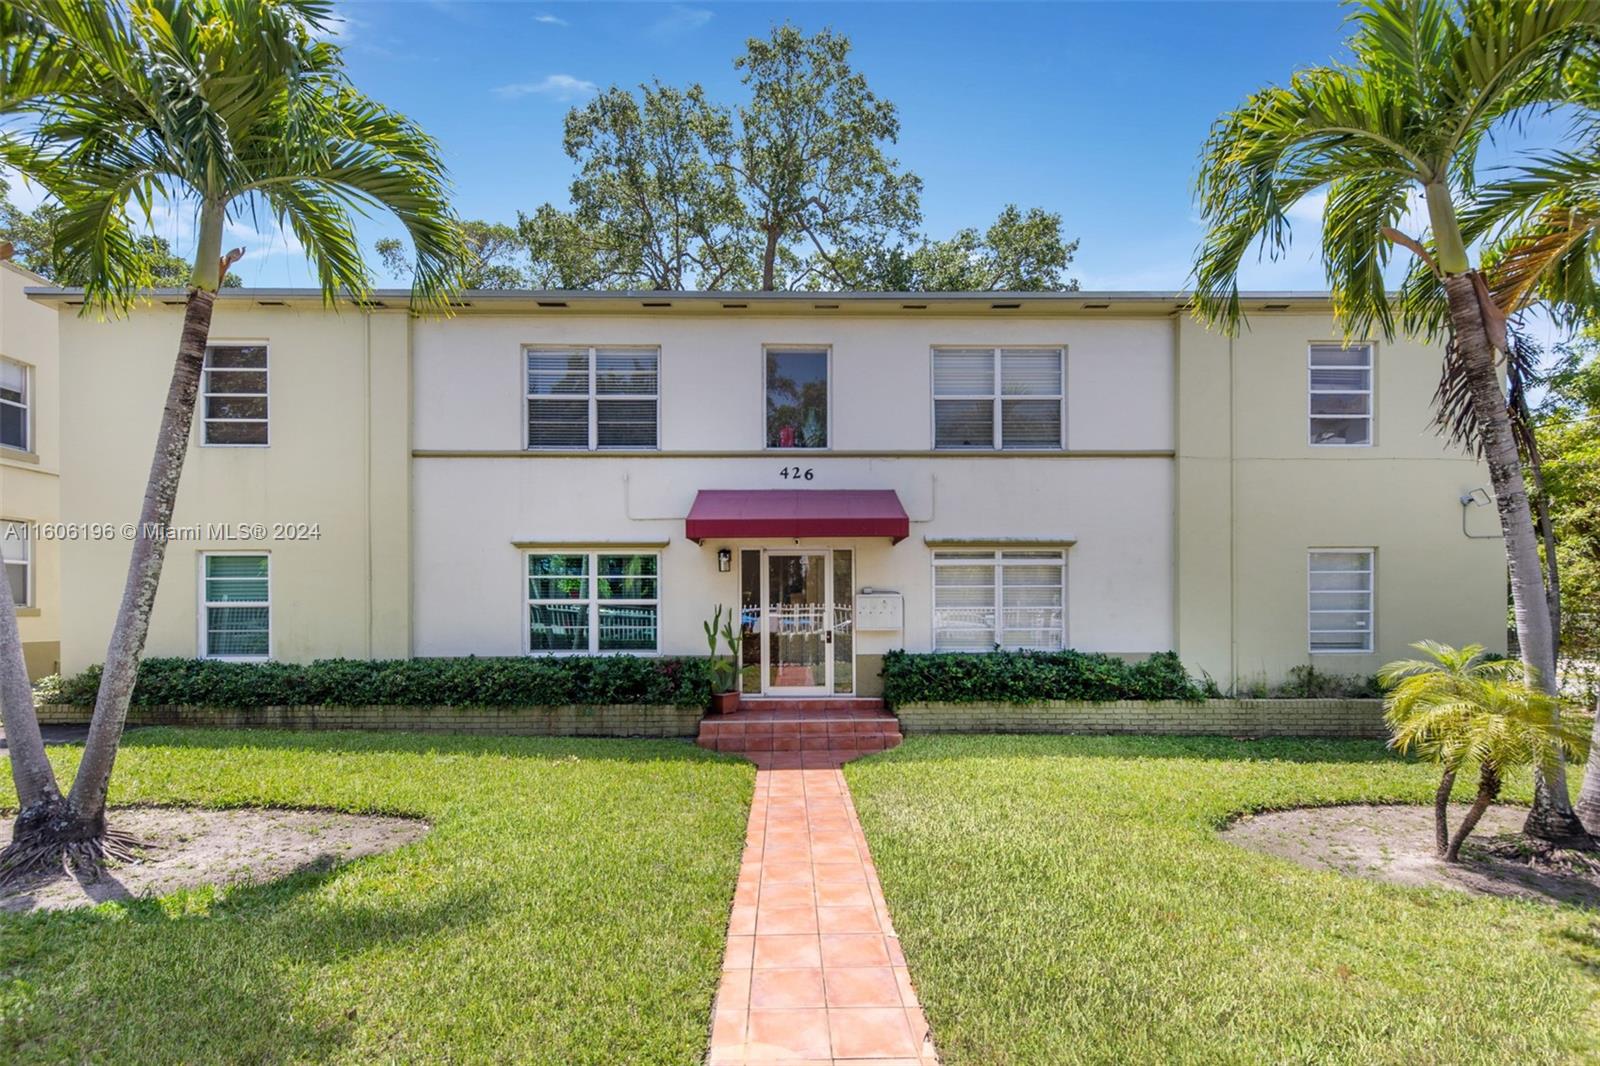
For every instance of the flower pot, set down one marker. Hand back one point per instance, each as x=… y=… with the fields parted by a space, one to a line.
x=724 y=702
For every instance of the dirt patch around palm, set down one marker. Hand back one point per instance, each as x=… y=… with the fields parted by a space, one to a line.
x=1394 y=843
x=186 y=848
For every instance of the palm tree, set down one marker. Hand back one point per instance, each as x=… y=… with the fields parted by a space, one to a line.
x=1456 y=707
x=226 y=106
x=1430 y=81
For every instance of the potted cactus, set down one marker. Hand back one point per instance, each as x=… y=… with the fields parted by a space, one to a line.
x=723 y=669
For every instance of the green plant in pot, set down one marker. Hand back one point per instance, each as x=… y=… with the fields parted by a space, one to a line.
x=722 y=668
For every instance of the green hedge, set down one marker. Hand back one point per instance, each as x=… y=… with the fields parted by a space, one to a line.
x=1029 y=677
x=467 y=682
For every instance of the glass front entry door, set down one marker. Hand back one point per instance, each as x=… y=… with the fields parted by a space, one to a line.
x=799 y=644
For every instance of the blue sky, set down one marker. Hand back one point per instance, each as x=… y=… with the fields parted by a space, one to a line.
x=1093 y=110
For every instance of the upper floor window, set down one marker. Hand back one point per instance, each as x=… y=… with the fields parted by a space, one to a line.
x=1341 y=394
x=1340 y=600
x=984 y=600
x=14 y=405
x=235 y=395
x=17 y=548
x=235 y=606
x=585 y=399
x=797 y=397
x=589 y=602
x=998 y=398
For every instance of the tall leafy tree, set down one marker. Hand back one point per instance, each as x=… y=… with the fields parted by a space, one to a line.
x=494 y=256
x=809 y=151
x=31 y=236
x=649 y=186
x=1022 y=251
x=1430 y=81
x=220 y=105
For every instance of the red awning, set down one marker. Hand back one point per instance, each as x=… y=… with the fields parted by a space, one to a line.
x=740 y=514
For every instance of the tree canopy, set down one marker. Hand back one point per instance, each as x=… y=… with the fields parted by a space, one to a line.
x=793 y=187
x=1567 y=425
x=30 y=233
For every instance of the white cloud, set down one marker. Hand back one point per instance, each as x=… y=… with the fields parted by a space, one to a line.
x=680 y=19
x=557 y=86
x=551 y=20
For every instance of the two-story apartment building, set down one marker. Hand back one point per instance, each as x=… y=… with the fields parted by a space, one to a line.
x=559 y=473
x=30 y=465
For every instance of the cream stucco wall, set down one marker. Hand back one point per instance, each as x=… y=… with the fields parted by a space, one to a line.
x=1187 y=483
x=338 y=457
x=1255 y=497
x=30 y=480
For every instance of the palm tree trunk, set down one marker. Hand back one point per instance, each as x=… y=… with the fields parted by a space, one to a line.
x=1589 y=794
x=1441 y=813
x=30 y=770
x=1552 y=817
x=1488 y=789
x=87 y=800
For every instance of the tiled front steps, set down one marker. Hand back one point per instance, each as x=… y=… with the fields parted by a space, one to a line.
x=813 y=971
x=789 y=734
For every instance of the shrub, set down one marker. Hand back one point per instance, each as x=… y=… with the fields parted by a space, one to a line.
x=1028 y=677
x=470 y=681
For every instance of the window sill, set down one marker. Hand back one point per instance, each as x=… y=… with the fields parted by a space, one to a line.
x=17 y=455
x=29 y=612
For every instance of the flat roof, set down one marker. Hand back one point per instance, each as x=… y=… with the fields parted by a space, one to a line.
x=636 y=301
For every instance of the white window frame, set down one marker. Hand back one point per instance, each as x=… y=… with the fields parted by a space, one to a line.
x=1371 y=610
x=206 y=393
x=8 y=549
x=827 y=414
x=593 y=601
x=529 y=397
x=998 y=562
x=26 y=406
x=204 y=627
x=1370 y=392
x=997 y=397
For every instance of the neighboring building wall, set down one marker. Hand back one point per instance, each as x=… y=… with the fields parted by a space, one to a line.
x=30 y=479
x=338 y=458
x=1255 y=497
x=485 y=493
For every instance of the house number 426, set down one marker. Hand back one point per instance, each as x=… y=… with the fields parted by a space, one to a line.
x=795 y=473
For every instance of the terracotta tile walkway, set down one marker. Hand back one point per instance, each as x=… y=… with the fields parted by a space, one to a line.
x=813 y=972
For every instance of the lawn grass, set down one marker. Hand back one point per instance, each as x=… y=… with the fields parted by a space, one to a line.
x=569 y=906
x=1066 y=899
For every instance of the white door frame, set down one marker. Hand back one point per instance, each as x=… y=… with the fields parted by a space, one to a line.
x=825 y=555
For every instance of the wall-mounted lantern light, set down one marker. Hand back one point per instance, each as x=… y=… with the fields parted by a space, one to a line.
x=724 y=560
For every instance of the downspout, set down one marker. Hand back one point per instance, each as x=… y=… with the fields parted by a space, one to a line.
x=1233 y=522
x=366 y=319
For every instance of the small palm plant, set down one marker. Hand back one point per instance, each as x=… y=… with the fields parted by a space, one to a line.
x=1459 y=706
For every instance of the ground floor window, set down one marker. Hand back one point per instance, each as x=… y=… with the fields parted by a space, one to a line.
x=17 y=548
x=236 y=606
x=586 y=602
x=1340 y=611
x=983 y=600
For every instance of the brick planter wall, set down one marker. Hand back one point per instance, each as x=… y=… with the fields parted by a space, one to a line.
x=1229 y=718
x=626 y=720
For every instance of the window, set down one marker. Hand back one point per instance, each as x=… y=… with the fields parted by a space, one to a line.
x=585 y=399
x=1340 y=394
x=14 y=426
x=1024 y=412
x=1340 y=601
x=590 y=602
x=235 y=389
x=797 y=397
x=1012 y=599
x=17 y=547
x=235 y=606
